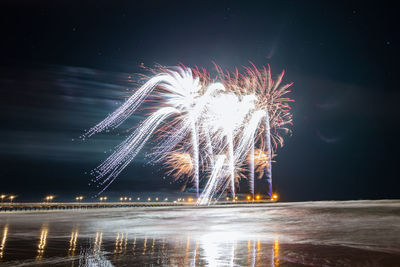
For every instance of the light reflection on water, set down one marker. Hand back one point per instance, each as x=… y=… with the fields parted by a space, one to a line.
x=3 y=240
x=72 y=242
x=201 y=237
x=42 y=242
x=209 y=250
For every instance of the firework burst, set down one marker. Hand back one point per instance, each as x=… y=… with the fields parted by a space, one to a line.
x=222 y=129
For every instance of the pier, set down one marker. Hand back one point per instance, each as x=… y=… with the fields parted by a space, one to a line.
x=6 y=207
x=43 y=206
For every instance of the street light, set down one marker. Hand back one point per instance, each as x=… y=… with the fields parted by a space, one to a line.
x=12 y=198
x=2 y=198
x=79 y=198
x=49 y=198
x=274 y=197
x=258 y=197
x=248 y=198
x=138 y=198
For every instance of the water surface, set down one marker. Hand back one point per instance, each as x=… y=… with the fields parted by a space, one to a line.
x=351 y=233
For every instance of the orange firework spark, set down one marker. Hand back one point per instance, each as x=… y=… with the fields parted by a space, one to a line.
x=180 y=164
x=261 y=162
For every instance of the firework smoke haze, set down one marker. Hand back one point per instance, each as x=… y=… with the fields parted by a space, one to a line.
x=204 y=128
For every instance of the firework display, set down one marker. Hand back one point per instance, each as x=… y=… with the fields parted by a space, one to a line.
x=206 y=130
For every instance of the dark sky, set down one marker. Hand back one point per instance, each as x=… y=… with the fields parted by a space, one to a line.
x=64 y=65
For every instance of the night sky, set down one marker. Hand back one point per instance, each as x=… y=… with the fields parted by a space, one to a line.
x=64 y=65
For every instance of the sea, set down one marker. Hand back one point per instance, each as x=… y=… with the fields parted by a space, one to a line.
x=323 y=233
